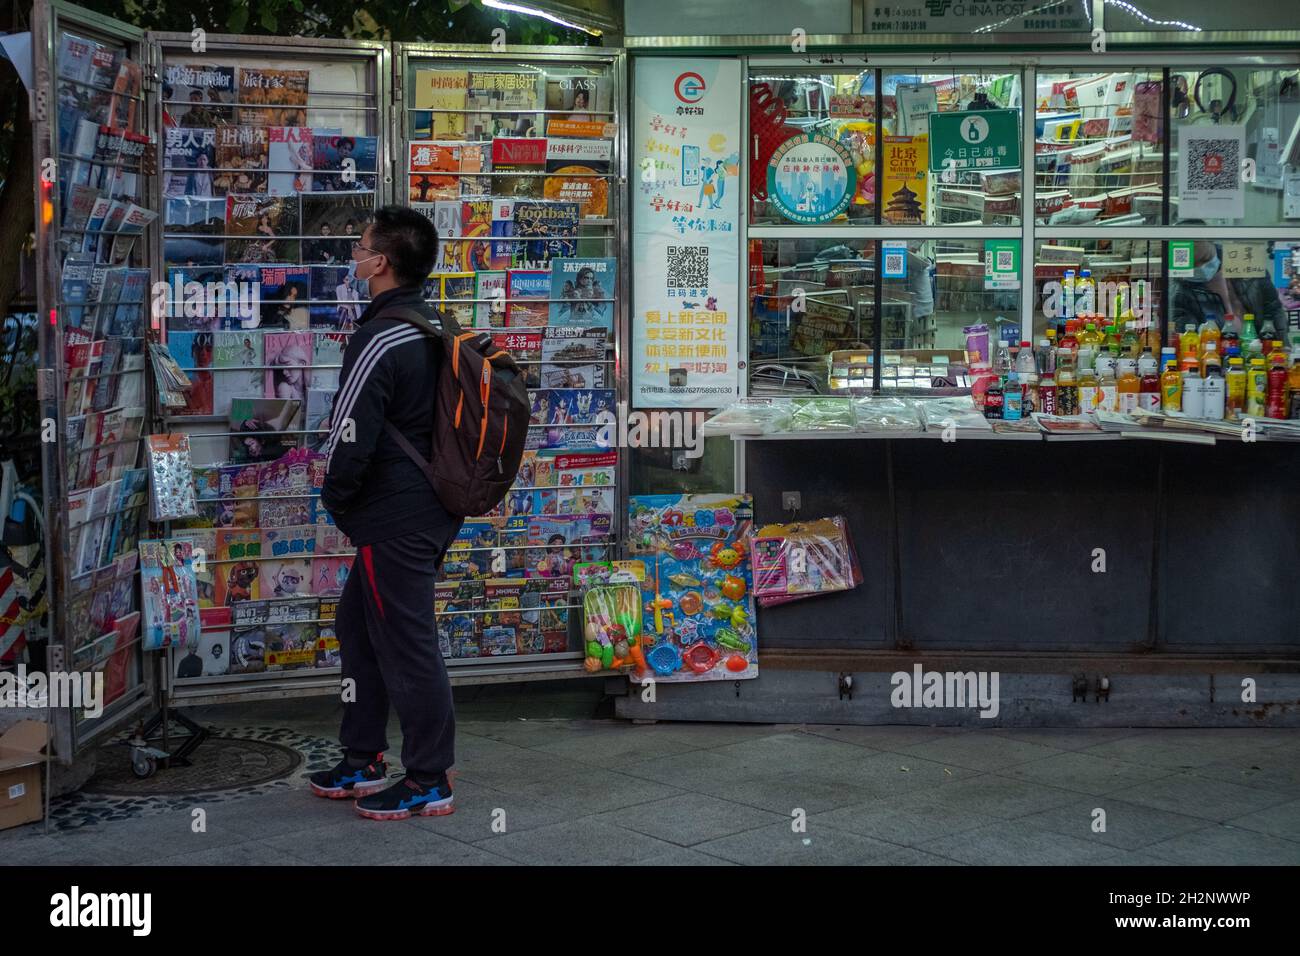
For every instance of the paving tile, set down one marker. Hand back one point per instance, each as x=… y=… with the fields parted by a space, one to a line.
x=248 y=853
x=592 y=790
x=782 y=793
x=1069 y=738
x=998 y=797
x=908 y=824
x=615 y=749
x=1129 y=826
x=687 y=771
x=681 y=856
x=452 y=853
x=1281 y=821
x=689 y=818
x=778 y=845
x=1201 y=797
x=879 y=737
x=483 y=813
x=1270 y=769
x=277 y=814
x=782 y=753
x=884 y=774
x=158 y=835
x=362 y=842
x=1182 y=749
x=1226 y=846
x=577 y=843
x=63 y=849
x=910 y=856
x=1011 y=843
x=509 y=771
x=977 y=751
x=1085 y=772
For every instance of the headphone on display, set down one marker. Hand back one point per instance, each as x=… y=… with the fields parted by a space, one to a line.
x=1230 y=108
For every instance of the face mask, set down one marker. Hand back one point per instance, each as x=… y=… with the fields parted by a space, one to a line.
x=1206 y=271
x=352 y=266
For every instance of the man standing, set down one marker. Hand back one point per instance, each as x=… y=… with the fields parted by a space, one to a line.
x=380 y=499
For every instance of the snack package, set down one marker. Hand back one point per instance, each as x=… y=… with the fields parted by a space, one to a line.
x=611 y=628
x=803 y=559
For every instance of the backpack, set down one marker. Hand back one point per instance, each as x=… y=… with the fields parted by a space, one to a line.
x=481 y=415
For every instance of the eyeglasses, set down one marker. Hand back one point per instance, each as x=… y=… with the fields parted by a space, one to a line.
x=358 y=247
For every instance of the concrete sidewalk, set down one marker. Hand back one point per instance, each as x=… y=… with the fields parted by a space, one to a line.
x=569 y=789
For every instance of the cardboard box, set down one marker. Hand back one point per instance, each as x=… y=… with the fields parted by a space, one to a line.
x=21 y=758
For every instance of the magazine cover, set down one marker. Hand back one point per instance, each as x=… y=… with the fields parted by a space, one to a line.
x=285 y=293
x=458 y=627
x=503 y=254
x=574 y=406
x=499 y=103
x=456 y=297
x=330 y=574
x=338 y=219
x=573 y=356
x=526 y=293
x=290 y=630
x=526 y=347
x=236 y=356
x=502 y=620
x=202 y=95
x=337 y=301
x=524 y=156
x=171 y=597
x=236 y=572
x=434 y=172
x=289 y=158
x=193 y=351
x=320 y=405
x=327 y=642
x=189 y=155
x=288 y=357
x=686 y=538
x=442 y=93
x=476 y=222
x=260 y=426
x=585 y=99
x=584 y=292
x=266 y=221
x=579 y=167
x=288 y=574
x=327 y=359
x=273 y=97
x=490 y=291
x=210 y=657
x=558 y=221
x=241 y=157
x=343 y=163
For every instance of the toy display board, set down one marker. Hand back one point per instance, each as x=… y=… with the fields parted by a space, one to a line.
x=697 y=596
x=803 y=559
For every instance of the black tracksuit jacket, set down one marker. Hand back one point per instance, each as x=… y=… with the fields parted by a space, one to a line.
x=390 y=371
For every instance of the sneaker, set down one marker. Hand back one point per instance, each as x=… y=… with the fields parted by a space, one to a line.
x=406 y=797
x=348 y=781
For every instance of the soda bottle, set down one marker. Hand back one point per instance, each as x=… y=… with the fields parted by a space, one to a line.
x=1012 y=398
x=1248 y=333
x=1293 y=385
x=1256 y=388
x=1067 y=389
x=993 y=399
x=1236 y=385
x=1148 y=381
x=1275 y=403
x=1070 y=340
x=1129 y=386
x=1171 y=388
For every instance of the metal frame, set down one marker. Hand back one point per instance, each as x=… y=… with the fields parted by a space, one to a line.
x=49 y=18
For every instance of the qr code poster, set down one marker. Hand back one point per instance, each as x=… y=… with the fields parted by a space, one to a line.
x=1209 y=172
x=895 y=262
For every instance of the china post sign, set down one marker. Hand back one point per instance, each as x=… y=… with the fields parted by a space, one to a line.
x=975 y=140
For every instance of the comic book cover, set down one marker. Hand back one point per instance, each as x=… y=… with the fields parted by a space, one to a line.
x=170 y=605
x=442 y=93
x=203 y=550
x=433 y=172
x=273 y=97
x=193 y=351
x=241 y=160
x=327 y=642
x=291 y=634
x=288 y=573
x=583 y=292
x=329 y=539
x=578 y=169
x=262 y=428
x=190 y=155
x=202 y=95
x=526 y=293
x=285 y=294
x=265 y=220
x=500 y=103
x=502 y=618
x=338 y=219
x=576 y=406
x=344 y=163
x=238 y=569
x=556 y=221
x=459 y=632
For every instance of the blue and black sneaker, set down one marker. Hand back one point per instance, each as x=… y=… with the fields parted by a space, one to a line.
x=347 y=781
x=406 y=798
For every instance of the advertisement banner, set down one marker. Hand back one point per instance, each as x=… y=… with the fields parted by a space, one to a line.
x=685 y=221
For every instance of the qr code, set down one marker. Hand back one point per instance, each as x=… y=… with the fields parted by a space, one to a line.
x=688 y=267
x=1182 y=257
x=1213 y=164
x=893 y=263
x=1006 y=260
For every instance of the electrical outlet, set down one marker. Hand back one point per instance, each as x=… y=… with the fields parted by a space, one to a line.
x=791 y=500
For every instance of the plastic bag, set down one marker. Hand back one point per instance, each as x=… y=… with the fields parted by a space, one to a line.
x=883 y=414
x=803 y=559
x=611 y=628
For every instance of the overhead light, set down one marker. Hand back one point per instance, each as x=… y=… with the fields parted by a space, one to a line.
x=534 y=12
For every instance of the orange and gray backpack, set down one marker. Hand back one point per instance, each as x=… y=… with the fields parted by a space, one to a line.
x=480 y=420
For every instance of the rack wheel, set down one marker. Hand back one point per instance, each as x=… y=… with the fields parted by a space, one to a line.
x=143 y=766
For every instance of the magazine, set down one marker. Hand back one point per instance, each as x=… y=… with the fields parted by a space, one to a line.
x=193 y=351
x=526 y=293
x=241 y=157
x=289 y=573
x=338 y=219
x=288 y=357
x=201 y=95
x=337 y=302
x=490 y=291
x=190 y=154
x=557 y=221
x=500 y=102
x=442 y=93
x=579 y=167
x=290 y=631
x=434 y=172
x=236 y=356
x=263 y=428
x=289 y=157
x=583 y=290
x=525 y=156
x=327 y=360
x=344 y=163
x=265 y=220
x=285 y=294
x=273 y=97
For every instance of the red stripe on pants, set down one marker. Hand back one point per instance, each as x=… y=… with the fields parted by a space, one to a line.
x=368 y=560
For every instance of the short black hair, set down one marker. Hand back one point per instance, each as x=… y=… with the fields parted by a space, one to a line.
x=408 y=239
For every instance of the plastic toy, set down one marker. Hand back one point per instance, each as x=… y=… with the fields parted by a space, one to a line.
x=691 y=602
x=736 y=663
x=685 y=551
x=701 y=658
x=727 y=555
x=731 y=640
x=684 y=580
x=664 y=658
x=612 y=628
x=733 y=588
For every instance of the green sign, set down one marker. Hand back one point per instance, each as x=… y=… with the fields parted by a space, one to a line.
x=1002 y=263
x=1182 y=259
x=810 y=178
x=975 y=140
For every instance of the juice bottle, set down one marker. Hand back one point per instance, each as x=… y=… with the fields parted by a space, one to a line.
x=1107 y=386
x=1214 y=388
x=1236 y=384
x=1047 y=393
x=1171 y=388
x=1209 y=332
x=1293 y=386
x=1087 y=379
x=1276 y=355
x=1070 y=340
x=1129 y=343
x=1275 y=402
x=1248 y=333
x=1211 y=351
x=1067 y=389
x=1190 y=347
x=1129 y=386
x=1256 y=387
x=1087 y=293
x=1193 y=393
x=1067 y=295
x=1012 y=397
x=1148 y=381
